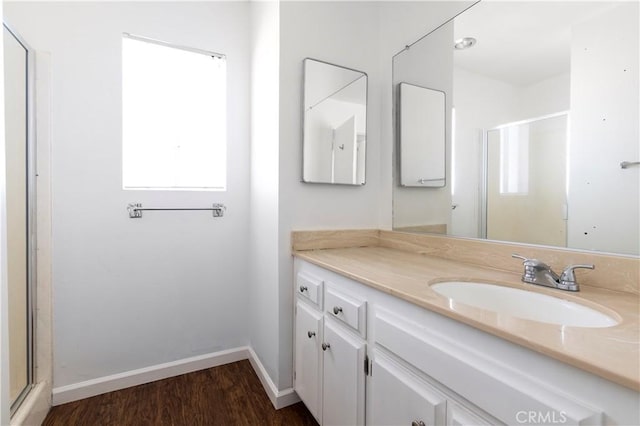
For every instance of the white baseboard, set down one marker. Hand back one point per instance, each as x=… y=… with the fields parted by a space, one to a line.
x=279 y=398
x=89 y=388
x=86 y=389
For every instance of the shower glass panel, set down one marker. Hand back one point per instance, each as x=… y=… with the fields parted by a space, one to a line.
x=526 y=168
x=19 y=169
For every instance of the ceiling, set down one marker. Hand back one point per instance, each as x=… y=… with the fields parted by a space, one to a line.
x=521 y=42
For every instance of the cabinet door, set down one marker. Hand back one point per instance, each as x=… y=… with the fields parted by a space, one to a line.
x=307 y=364
x=343 y=364
x=398 y=397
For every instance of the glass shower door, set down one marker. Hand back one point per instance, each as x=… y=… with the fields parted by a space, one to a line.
x=526 y=194
x=19 y=206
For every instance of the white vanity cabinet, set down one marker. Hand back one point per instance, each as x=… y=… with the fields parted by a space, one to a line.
x=330 y=352
x=422 y=368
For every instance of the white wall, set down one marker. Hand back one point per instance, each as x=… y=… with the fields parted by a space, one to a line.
x=135 y=293
x=544 y=97
x=265 y=302
x=345 y=34
x=603 y=198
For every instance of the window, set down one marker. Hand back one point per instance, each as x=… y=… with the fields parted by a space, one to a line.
x=173 y=117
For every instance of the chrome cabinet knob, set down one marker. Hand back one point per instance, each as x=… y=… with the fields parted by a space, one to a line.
x=337 y=310
x=303 y=289
x=311 y=334
x=417 y=423
x=325 y=346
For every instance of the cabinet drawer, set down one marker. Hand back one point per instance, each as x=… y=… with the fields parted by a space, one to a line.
x=310 y=287
x=346 y=308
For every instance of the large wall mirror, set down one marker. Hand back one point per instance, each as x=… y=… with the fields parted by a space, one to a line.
x=542 y=112
x=335 y=124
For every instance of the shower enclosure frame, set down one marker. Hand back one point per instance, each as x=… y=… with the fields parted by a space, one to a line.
x=31 y=187
x=484 y=168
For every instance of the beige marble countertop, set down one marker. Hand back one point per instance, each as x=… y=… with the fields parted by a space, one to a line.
x=612 y=353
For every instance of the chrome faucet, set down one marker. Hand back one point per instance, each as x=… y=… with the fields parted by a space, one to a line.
x=539 y=273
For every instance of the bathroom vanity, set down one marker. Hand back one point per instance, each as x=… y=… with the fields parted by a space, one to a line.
x=376 y=345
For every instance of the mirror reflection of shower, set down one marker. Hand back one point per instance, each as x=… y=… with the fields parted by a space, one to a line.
x=20 y=206
x=524 y=194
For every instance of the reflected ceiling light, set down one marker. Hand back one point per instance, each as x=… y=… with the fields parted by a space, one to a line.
x=464 y=43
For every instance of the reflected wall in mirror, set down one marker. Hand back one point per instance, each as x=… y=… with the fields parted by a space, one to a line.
x=334 y=137
x=544 y=109
x=421 y=136
x=427 y=63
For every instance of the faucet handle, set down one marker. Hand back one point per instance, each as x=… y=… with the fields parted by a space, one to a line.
x=531 y=263
x=526 y=261
x=533 y=268
x=530 y=267
x=568 y=277
x=568 y=274
x=568 y=271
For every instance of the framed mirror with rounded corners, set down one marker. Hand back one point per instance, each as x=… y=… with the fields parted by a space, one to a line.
x=334 y=140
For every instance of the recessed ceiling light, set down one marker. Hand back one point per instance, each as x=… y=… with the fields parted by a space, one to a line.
x=465 y=43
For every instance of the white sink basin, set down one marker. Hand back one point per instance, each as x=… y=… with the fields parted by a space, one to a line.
x=523 y=304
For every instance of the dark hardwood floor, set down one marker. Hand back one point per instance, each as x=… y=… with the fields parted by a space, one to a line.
x=227 y=395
